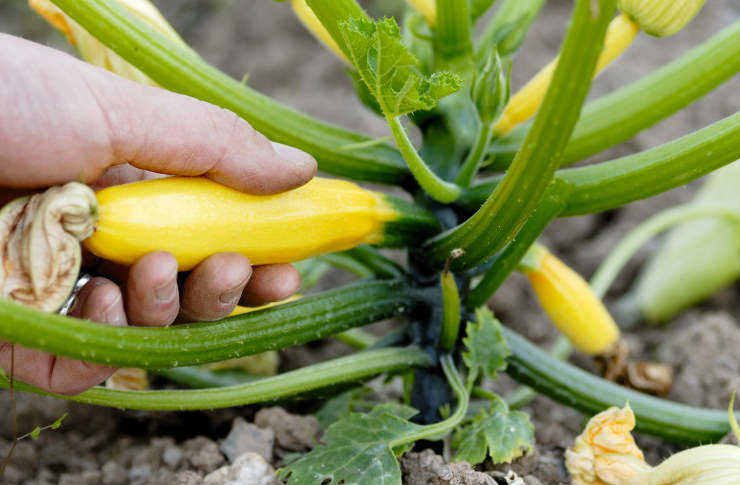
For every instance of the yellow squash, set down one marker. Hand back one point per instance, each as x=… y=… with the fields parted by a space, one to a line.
x=570 y=303
x=193 y=218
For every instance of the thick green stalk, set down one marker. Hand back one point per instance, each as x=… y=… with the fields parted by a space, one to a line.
x=617 y=117
x=180 y=70
x=453 y=32
x=552 y=204
x=589 y=394
x=611 y=184
x=355 y=367
x=522 y=188
x=293 y=323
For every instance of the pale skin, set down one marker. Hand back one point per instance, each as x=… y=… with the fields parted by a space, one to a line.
x=63 y=120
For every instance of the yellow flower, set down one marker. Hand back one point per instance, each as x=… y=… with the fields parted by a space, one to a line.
x=92 y=50
x=661 y=18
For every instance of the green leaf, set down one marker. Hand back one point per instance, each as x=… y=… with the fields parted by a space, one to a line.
x=391 y=73
x=56 y=424
x=486 y=347
x=497 y=432
x=357 y=450
x=35 y=433
x=341 y=406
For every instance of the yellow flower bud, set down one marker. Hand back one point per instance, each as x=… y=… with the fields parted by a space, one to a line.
x=661 y=18
x=428 y=8
x=570 y=303
x=313 y=24
x=525 y=103
x=92 y=50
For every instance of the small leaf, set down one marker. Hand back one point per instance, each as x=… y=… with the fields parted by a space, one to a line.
x=35 y=433
x=357 y=450
x=498 y=432
x=340 y=406
x=487 y=348
x=56 y=424
x=390 y=71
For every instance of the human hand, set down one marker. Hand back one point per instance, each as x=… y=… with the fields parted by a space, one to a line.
x=65 y=120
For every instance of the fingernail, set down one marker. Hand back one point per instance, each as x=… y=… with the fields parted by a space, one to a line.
x=166 y=293
x=115 y=314
x=231 y=296
x=294 y=155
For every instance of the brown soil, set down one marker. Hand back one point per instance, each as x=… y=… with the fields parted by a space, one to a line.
x=105 y=446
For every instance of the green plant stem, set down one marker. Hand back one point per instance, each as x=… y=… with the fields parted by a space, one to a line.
x=434 y=186
x=355 y=367
x=612 y=184
x=440 y=429
x=371 y=259
x=475 y=157
x=507 y=28
x=292 y=323
x=453 y=33
x=181 y=70
x=199 y=378
x=628 y=246
x=617 y=117
x=623 y=180
x=357 y=338
x=574 y=387
x=523 y=186
x=523 y=395
x=506 y=261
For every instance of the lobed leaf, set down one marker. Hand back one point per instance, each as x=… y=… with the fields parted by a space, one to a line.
x=391 y=73
x=486 y=347
x=497 y=432
x=357 y=450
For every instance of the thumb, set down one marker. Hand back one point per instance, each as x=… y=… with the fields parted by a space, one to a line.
x=68 y=120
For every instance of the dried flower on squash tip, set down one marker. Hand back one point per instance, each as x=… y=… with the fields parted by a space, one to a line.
x=661 y=18
x=39 y=244
x=606 y=454
x=92 y=50
x=569 y=302
x=128 y=379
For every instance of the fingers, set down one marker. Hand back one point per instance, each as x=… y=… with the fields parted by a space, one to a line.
x=104 y=120
x=152 y=295
x=273 y=282
x=100 y=300
x=213 y=288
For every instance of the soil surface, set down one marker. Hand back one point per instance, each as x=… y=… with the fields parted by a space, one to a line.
x=97 y=446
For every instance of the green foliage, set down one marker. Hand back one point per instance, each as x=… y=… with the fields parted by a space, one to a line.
x=358 y=450
x=341 y=406
x=390 y=71
x=486 y=347
x=497 y=432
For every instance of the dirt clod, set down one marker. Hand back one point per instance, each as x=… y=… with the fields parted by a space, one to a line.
x=293 y=432
x=245 y=437
x=203 y=454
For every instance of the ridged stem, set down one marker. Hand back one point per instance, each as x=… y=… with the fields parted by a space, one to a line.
x=619 y=116
x=505 y=262
x=476 y=155
x=453 y=31
x=623 y=180
x=180 y=70
x=293 y=323
x=523 y=186
x=574 y=387
x=355 y=367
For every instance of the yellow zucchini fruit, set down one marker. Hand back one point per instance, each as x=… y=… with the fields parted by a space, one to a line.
x=570 y=303
x=194 y=217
